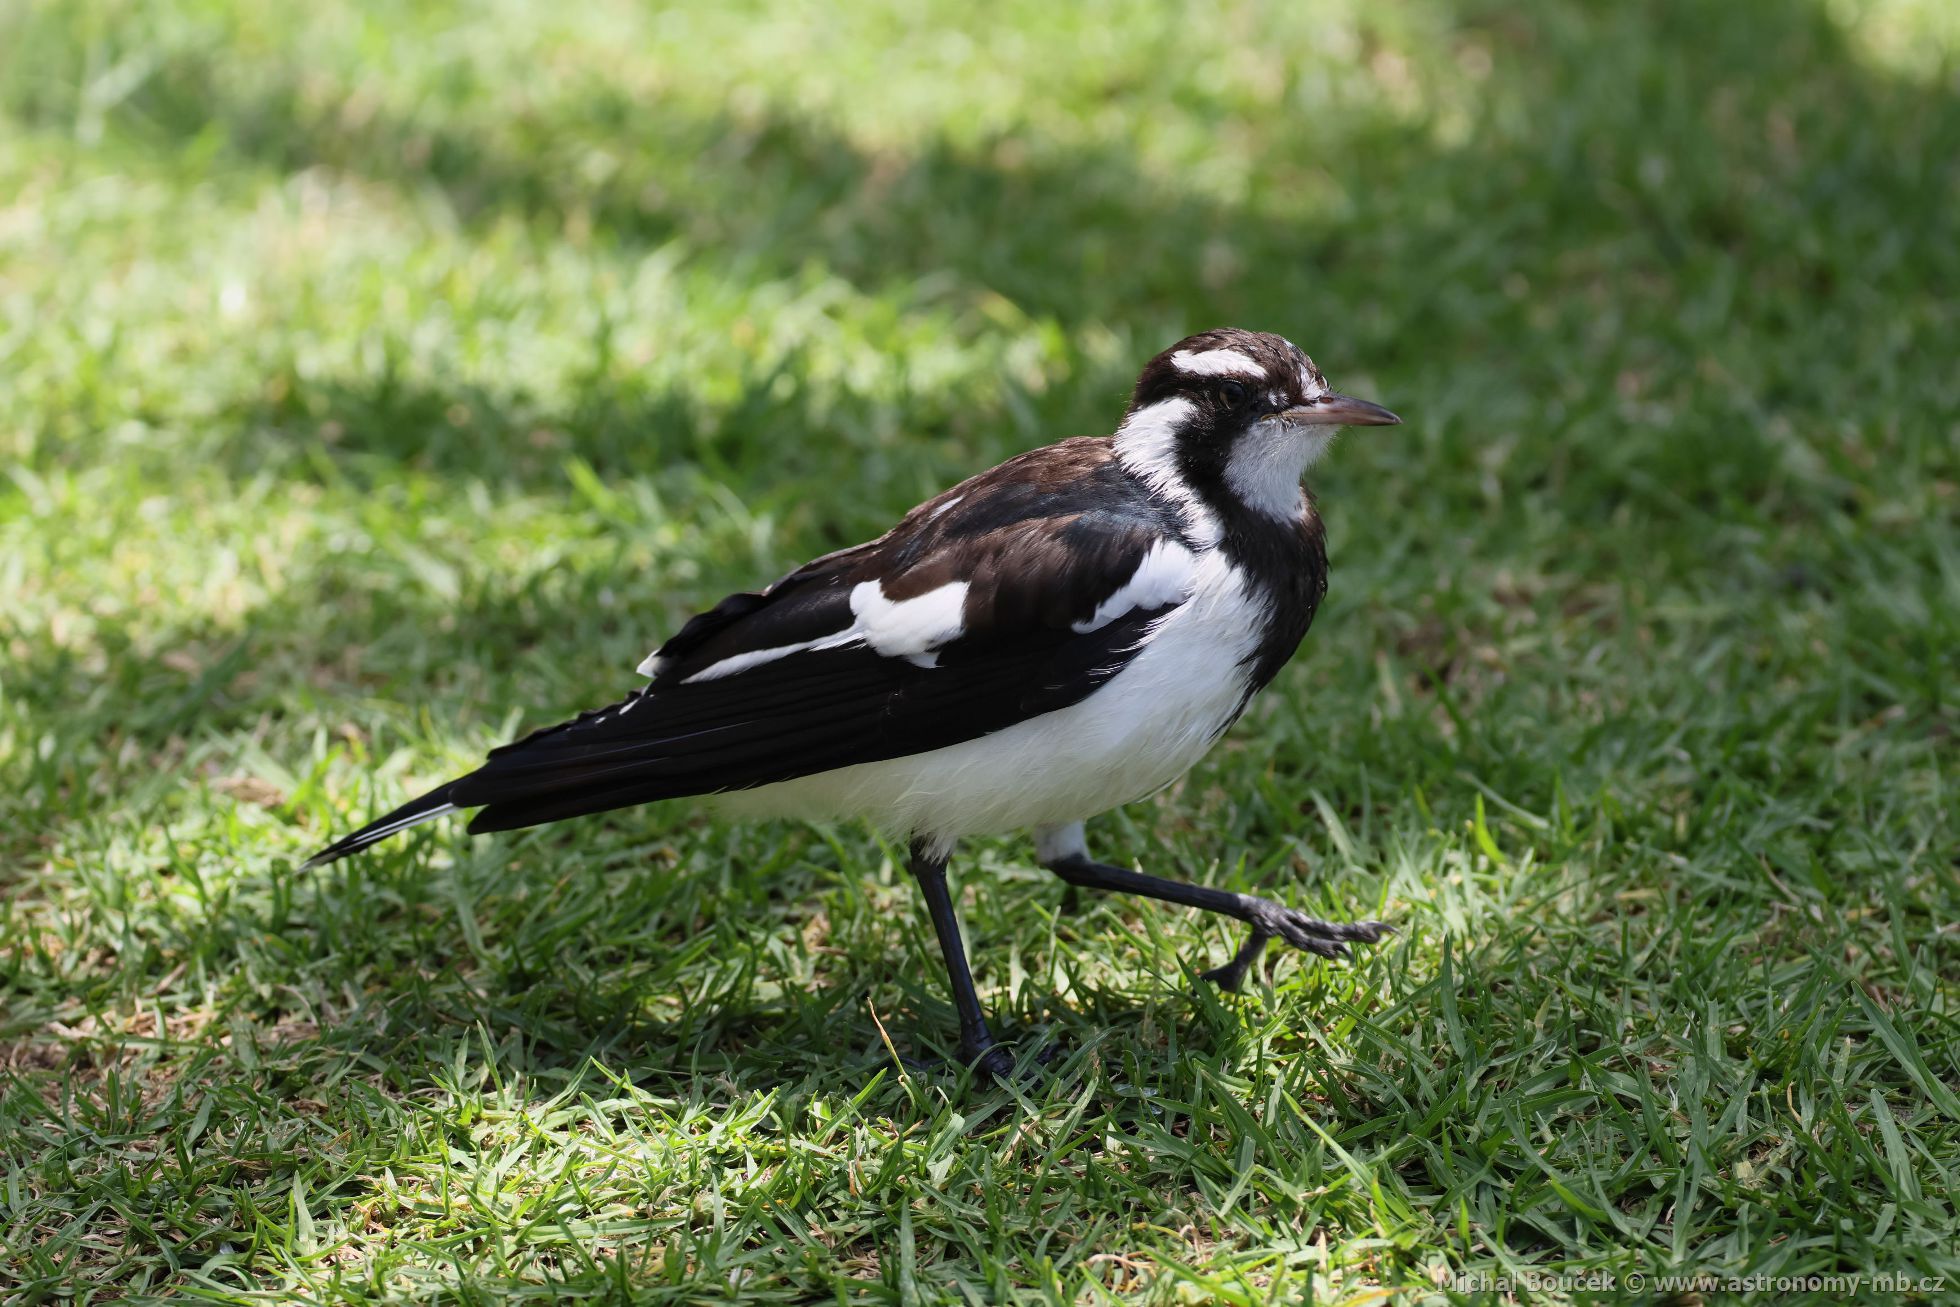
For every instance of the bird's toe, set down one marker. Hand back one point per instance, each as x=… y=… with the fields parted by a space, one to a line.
x=1228 y=977
x=1328 y=939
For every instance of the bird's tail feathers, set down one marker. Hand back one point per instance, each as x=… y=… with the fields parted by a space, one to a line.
x=601 y=760
x=413 y=813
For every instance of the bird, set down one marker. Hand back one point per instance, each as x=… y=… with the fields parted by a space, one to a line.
x=1064 y=633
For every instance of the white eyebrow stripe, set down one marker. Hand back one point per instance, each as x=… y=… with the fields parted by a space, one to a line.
x=1216 y=363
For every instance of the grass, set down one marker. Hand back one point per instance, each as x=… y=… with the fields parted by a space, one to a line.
x=380 y=381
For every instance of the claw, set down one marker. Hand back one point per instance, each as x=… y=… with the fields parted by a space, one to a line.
x=1327 y=939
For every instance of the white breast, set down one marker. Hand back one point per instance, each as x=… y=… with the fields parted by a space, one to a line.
x=1141 y=730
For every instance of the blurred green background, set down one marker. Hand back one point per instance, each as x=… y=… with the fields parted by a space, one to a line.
x=376 y=381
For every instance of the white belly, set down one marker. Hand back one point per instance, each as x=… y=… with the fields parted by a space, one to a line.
x=1141 y=730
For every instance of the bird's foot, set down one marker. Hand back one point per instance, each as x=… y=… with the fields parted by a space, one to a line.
x=1231 y=975
x=989 y=1061
x=1270 y=920
x=1330 y=939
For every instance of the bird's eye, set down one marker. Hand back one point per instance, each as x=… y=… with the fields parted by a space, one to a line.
x=1232 y=393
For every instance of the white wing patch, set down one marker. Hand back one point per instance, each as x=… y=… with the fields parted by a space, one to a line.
x=909 y=628
x=651 y=665
x=1216 y=363
x=1162 y=577
x=896 y=628
x=741 y=662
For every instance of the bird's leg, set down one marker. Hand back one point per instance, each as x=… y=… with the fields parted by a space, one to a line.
x=1063 y=852
x=1055 y=843
x=1232 y=975
x=977 y=1047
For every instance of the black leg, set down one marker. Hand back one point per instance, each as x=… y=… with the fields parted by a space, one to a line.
x=1268 y=919
x=1232 y=975
x=977 y=1048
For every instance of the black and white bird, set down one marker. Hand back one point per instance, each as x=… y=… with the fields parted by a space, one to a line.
x=1061 y=634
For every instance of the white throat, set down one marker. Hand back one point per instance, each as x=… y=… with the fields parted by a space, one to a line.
x=1268 y=461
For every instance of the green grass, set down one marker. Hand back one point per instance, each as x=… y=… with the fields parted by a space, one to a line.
x=375 y=383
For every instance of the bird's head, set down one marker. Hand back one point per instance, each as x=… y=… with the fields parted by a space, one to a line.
x=1236 y=413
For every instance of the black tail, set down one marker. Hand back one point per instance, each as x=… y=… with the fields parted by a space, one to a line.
x=416 y=811
x=824 y=710
x=550 y=774
x=536 y=810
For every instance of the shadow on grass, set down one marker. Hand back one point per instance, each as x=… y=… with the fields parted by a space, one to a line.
x=1080 y=235
x=441 y=1067
x=1645 y=189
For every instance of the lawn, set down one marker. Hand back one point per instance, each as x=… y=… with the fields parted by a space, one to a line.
x=377 y=382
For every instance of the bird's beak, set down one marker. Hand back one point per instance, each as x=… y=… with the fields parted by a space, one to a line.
x=1331 y=410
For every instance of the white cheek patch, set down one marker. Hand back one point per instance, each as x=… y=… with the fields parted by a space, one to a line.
x=1216 y=363
x=1163 y=577
x=909 y=628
